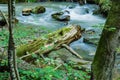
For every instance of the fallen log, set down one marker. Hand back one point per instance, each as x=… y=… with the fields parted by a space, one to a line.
x=50 y=42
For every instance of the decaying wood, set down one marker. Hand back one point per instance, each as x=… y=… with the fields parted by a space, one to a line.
x=50 y=42
x=71 y=50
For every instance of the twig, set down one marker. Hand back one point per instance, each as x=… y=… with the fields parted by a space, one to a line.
x=42 y=56
x=57 y=67
x=25 y=56
x=71 y=50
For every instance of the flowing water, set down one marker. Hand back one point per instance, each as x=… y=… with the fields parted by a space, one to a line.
x=81 y=15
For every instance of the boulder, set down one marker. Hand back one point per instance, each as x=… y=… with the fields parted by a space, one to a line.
x=61 y=16
x=91 y=37
x=91 y=1
x=26 y=11
x=38 y=9
x=91 y=40
x=81 y=2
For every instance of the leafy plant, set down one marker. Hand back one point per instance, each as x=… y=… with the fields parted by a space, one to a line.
x=66 y=72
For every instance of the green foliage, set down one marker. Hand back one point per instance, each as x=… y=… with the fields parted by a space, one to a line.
x=31 y=0
x=111 y=29
x=100 y=26
x=118 y=50
x=65 y=72
x=22 y=34
x=105 y=5
x=4 y=76
x=47 y=73
x=3 y=37
x=73 y=74
x=3 y=62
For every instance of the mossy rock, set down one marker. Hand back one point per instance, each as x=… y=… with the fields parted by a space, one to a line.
x=38 y=9
x=60 y=16
x=81 y=2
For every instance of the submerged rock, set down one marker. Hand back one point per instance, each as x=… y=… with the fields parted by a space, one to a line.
x=61 y=16
x=91 y=40
x=91 y=37
x=38 y=9
x=26 y=11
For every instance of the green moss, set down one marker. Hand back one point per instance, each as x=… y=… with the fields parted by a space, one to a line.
x=41 y=41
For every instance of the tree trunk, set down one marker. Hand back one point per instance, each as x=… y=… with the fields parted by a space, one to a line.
x=104 y=59
x=50 y=42
x=11 y=49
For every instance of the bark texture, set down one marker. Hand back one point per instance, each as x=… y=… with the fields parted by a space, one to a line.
x=11 y=49
x=104 y=59
x=50 y=42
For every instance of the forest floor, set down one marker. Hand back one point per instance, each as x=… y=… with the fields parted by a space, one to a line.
x=58 y=65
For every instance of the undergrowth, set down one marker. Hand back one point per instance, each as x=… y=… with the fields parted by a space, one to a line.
x=22 y=34
x=48 y=69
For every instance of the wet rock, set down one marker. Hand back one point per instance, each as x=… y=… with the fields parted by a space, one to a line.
x=26 y=11
x=61 y=16
x=81 y=2
x=82 y=29
x=91 y=37
x=91 y=1
x=38 y=9
x=71 y=6
x=91 y=40
x=86 y=10
x=78 y=61
x=90 y=31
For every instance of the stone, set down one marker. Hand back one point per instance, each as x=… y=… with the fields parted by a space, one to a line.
x=91 y=36
x=38 y=9
x=91 y=40
x=26 y=11
x=61 y=16
x=81 y=2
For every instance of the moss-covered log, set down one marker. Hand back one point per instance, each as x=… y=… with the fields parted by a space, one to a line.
x=51 y=41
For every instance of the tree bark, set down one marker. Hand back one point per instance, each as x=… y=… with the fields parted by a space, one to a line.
x=104 y=59
x=11 y=49
x=50 y=42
